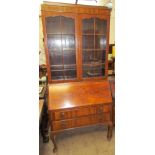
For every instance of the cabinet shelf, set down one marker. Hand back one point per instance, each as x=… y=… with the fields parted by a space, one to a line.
x=62 y=78
x=92 y=34
x=94 y=64
x=62 y=49
x=68 y=49
x=92 y=49
x=71 y=65
x=60 y=33
x=56 y=70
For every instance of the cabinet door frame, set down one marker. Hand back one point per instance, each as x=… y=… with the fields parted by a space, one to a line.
x=88 y=16
x=54 y=14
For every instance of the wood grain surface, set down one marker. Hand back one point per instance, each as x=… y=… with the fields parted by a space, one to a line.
x=76 y=94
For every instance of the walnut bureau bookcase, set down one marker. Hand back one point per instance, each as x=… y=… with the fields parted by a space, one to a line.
x=76 y=39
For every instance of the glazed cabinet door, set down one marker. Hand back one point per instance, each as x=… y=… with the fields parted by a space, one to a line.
x=61 y=46
x=94 y=34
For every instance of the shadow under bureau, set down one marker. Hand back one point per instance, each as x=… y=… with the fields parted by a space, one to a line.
x=79 y=104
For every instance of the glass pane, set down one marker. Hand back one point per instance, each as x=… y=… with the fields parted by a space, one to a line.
x=61 y=46
x=88 y=26
x=57 y=67
x=68 y=25
x=56 y=58
x=70 y=74
x=93 y=71
x=99 y=71
x=69 y=57
x=53 y=25
x=88 y=57
x=54 y=42
x=100 y=26
x=68 y=42
x=70 y=67
x=57 y=75
x=100 y=56
x=88 y=42
x=100 y=42
x=88 y=71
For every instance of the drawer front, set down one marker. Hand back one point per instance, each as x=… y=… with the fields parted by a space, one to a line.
x=78 y=112
x=62 y=115
x=77 y=122
x=101 y=118
x=61 y=125
x=92 y=119
x=102 y=108
x=81 y=121
x=73 y=113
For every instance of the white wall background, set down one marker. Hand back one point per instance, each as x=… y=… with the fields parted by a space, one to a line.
x=42 y=58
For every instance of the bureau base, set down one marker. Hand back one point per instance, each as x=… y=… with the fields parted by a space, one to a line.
x=79 y=104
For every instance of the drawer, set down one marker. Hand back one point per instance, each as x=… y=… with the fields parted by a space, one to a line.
x=72 y=113
x=71 y=123
x=102 y=108
x=101 y=118
x=78 y=112
x=99 y=109
x=62 y=115
x=60 y=125
x=92 y=119
x=81 y=121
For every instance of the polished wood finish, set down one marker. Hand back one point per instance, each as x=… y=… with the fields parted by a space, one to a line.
x=78 y=94
x=78 y=104
x=78 y=112
x=85 y=99
x=77 y=9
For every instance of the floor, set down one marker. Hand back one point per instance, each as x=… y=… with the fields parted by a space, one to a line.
x=83 y=141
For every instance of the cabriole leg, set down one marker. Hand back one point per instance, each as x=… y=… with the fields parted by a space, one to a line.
x=109 y=133
x=54 y=143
